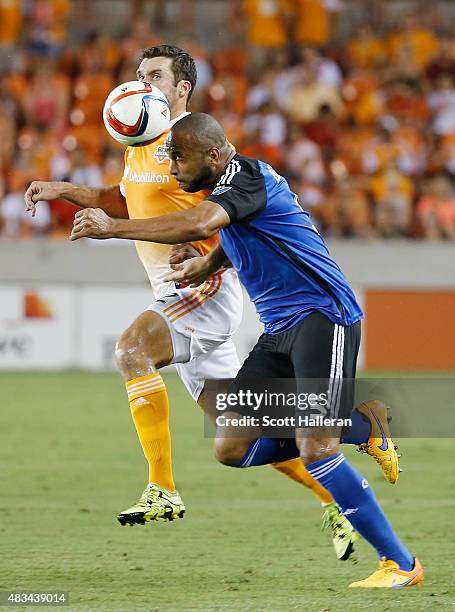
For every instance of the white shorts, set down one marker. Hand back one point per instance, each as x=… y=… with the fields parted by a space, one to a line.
x=201 y=322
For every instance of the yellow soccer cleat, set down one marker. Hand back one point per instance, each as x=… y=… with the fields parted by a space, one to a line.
x=343 y=533
x=155 y=504
x=390 y=576
x=380 y=445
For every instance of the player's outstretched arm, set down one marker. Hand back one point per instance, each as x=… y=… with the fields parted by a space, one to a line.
x=196 y=270
x=197 y=223
x=108 y=199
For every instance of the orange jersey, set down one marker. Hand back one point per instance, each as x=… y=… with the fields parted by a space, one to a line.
x=150 y=191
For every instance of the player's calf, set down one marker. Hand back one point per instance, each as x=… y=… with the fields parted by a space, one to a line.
x=233 y=442
x=315 y=448
x=231 y=451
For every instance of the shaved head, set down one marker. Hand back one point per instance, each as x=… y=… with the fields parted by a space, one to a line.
x=201 y=130
x=199 y=152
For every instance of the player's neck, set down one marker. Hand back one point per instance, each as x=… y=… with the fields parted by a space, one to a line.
x=224 y=162
x=227 y=159
x=178 y=109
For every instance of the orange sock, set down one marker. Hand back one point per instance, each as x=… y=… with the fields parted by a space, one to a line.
x=149 y=404
x=294 y=469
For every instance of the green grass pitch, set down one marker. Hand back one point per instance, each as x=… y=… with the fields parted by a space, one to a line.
x=251 y=539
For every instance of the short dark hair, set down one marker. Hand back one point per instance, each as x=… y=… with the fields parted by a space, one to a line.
x=183 y=65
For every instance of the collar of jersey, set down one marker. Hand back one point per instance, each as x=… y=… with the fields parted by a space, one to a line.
x=174 y=121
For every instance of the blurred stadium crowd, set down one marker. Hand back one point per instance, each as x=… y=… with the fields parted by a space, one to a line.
x=362 y=125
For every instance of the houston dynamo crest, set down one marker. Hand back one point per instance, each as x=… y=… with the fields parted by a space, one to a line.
x=161 y=153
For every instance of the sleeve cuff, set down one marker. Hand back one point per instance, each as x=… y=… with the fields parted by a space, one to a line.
x=228 y=207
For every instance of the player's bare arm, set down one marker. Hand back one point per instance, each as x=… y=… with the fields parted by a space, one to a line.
x=198 y=223
x=195 y=270
x=108 y=199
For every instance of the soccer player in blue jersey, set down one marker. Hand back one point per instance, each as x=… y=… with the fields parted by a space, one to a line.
x=310 y=315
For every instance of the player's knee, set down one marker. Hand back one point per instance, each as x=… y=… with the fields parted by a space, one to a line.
x=129 y=354
x=312 y=450
x=121 y=355
x=228 y=452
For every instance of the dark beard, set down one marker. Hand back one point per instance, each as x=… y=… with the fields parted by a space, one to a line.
x=204 y=180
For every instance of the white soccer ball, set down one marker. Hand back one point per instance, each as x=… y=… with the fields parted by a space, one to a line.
x=136 y=112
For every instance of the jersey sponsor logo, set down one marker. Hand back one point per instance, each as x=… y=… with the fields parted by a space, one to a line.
x=221 y=189
x=161 y=153
x=144 y=177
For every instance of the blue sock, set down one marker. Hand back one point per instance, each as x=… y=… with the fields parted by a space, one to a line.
x=269 y=450
x=359 y=431
x=357 y=501
x=273 y=450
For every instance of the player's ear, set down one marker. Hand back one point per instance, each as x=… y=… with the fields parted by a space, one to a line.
x=183 y=88
x=214 y=155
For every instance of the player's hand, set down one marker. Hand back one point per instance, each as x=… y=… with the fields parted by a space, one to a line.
x=192 y=272
x=91 y=223
x=40 y=190
x=182 y=252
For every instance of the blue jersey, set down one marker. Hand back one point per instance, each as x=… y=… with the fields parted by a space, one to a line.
x=280 y=257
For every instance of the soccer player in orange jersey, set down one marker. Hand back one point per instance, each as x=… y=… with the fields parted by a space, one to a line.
x=191 y=328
